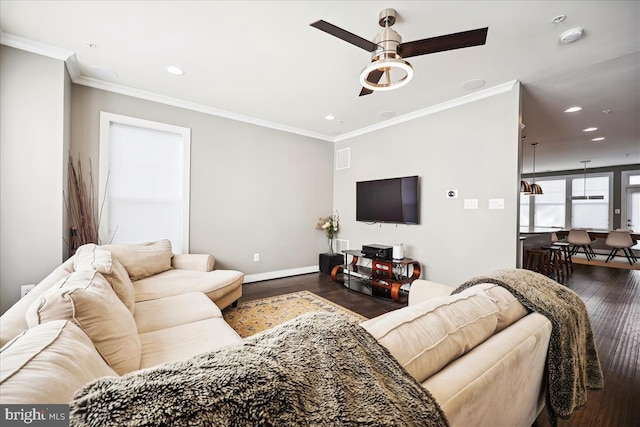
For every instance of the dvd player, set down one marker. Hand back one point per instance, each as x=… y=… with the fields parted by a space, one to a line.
x=377 y=251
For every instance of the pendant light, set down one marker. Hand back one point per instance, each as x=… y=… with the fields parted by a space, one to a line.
x=584 y=196
x=536 y=190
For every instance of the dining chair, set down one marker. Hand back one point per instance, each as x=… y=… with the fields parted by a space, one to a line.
x=580 y=239
x=620 y=239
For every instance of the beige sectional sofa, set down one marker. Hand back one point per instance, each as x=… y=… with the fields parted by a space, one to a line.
x=480 y=353
x=88 y=319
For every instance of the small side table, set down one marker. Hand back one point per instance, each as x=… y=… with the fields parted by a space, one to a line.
x=328 y=261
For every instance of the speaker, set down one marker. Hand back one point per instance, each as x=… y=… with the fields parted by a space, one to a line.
x=398 y=251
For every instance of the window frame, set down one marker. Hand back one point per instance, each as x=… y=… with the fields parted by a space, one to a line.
x=106 y=120
x=568 y=192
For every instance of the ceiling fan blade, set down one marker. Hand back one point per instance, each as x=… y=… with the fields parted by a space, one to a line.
x=374 y=77
x=345 y=35
x=442 y=43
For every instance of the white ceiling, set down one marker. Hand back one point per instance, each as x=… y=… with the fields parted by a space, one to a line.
x=260 y=61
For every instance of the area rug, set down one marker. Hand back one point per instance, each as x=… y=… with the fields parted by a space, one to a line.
x=251 y=317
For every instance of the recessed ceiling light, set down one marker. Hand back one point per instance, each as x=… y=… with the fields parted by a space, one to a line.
x=589 y=129
x=472 y=84
x=177 y=71
x=558 y=19
x=600 y=138
x=572 y=109
x=571 y=35
x=330 y=117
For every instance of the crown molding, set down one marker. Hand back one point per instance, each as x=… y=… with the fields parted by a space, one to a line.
x=486 y=93
x=175 y=102
x=75 y=73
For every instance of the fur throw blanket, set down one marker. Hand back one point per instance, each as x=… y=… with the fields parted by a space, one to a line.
x=316 y=370
x=573 y=366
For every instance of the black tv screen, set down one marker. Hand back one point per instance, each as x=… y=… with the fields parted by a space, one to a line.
x=393 y=200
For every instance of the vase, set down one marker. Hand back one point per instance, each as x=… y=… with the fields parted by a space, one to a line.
x=330 y=242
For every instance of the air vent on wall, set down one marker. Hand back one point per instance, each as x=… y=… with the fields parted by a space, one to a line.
x=343 y=158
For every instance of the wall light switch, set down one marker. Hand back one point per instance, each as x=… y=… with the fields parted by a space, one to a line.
x=496 y=203
x=471 y=203
x=616 y=211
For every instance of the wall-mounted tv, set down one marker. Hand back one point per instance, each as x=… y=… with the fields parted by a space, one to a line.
x=393 y=200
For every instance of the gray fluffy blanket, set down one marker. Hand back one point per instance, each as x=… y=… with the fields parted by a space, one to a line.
x=316 y=370
x=573 y=365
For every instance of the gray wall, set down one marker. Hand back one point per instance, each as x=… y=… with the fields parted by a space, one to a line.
x=472 y=148
x=34 y=140
x=253 y=189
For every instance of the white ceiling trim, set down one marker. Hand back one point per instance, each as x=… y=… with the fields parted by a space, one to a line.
x=486 y=93
x=71 y=62
x=151 y=96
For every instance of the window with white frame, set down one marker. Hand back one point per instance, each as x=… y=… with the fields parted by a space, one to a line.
x=144 y=181
x=590 y=213
x=557 y=207
x=550 y=206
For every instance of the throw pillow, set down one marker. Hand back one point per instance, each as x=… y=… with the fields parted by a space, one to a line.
x=87 y=299
x=143 y=259
x=510 y=309
x=48 y=363
x=425 y=337
x=91 y=257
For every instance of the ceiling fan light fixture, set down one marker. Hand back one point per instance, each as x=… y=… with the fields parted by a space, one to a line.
x=387 y=66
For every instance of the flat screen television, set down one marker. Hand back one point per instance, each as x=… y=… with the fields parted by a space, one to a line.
x=392 y=200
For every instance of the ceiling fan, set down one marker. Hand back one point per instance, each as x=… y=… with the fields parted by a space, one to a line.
x=388 y=51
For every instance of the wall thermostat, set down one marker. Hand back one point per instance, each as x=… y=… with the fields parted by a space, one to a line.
x=452 y=194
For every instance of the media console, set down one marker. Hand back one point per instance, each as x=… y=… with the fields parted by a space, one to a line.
x=382 y=277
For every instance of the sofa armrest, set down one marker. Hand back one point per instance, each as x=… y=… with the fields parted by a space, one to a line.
x=195 y=262
x=423 y=290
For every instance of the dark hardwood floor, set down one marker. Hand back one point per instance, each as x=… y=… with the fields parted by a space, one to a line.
x=612 y=297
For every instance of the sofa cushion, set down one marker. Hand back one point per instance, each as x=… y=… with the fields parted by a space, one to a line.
x=510 y=309
x=48 y=363
x=184 y=341
x=175 y=310
x=87 y=299
x=215 y=284
x=143 y=259
x=425 y=337
x=92 y=257
x=13 y=321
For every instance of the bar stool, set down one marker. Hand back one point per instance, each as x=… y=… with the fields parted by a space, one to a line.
x=566 y=261
x=539 y=260
x=556 y=263
x=620 y=239
x=580 y=239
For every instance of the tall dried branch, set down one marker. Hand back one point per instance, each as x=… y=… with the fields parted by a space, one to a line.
x=81 y=207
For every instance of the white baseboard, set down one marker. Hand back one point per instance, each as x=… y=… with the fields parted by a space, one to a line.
x=279 y=274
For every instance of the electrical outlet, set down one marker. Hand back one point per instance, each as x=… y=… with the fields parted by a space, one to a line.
x=256 y=257
x=24 y=289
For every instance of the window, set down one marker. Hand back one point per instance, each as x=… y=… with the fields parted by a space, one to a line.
x=590 y=213
x=144 y=177
x=555 y=209
x=550 y=206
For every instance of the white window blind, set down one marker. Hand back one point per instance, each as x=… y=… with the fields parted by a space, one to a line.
x=591 y=213
x=146 y=190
